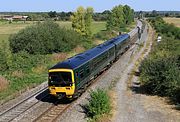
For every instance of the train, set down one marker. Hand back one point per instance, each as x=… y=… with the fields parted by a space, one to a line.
x=70 y=78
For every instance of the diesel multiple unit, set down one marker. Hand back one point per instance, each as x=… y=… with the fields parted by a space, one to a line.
x=70 y=77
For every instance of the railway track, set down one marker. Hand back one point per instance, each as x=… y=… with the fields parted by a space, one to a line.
x=51 y=114
x=22 y=106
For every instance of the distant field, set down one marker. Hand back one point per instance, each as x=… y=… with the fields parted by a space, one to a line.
x=175 y=21
x=98 y=26
x=6 y=29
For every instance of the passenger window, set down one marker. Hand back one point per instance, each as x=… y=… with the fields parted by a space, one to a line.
x=87 y=69
x=81 y=74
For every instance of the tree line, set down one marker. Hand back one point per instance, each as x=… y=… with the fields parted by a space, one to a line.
x=155 y=13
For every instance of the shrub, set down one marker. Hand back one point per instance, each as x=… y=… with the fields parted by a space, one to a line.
x=25 y=62
x=87 y=43
x=44 y=38
x=161 y=76
x=5 y=56
x=99 y=104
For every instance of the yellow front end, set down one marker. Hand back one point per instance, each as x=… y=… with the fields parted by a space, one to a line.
x=68 y=91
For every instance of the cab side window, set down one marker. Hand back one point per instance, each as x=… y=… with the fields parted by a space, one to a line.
x=77 y=74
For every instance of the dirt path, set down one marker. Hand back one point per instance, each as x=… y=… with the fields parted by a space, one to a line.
x=133 y=107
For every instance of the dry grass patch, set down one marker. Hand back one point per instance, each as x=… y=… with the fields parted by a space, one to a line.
x=171 y=20
x=56 y=57
x=3 y=83
x=98 y=41
x=39 y=69
x=17 y=73
x=78 y=49
x=113 y=99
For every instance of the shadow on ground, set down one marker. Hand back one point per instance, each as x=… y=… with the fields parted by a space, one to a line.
x=138 y=88
x=46 y=97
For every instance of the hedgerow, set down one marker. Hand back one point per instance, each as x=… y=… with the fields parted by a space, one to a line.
x=161 y=76
x=167 y=29
x=160 y=71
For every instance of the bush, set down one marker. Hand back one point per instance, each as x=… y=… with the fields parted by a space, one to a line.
x=99 y=104
x=87 y=43
x=25 y=62
x=5 y=56
x=159 y=70
x=161 y=76
x=44 y=38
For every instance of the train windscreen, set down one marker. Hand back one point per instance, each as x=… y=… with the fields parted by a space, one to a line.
x=60 y=78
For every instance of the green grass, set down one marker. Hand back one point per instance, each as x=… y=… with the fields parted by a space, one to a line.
x=6 y=29
x=3 y=37
x=66 y=24
x=98 y=26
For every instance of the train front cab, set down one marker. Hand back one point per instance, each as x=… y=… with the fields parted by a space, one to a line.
x=61 y=83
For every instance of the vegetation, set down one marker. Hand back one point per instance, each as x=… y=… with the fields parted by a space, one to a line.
x=5 y=55
x=7 y=29
x=170 y=20
x=44 y=38
x=155 y=13
x=98 y=105
x=22 y=70
x=57 y=16
x=168 y=29
x=119 y=17
x=160 y=71
x=82 y=21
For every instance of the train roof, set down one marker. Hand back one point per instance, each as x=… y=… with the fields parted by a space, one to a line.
x=120 y=38
x=79 y=59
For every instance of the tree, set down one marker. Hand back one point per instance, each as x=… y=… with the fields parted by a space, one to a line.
x=81 y=20
x=88 y=21
x=116 y=18
x=78 y=20
x=52 y=14
x=106 y=12
x=128 y=14
x=154 y=13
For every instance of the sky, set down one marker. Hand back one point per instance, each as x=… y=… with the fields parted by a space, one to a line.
x=98 y=5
